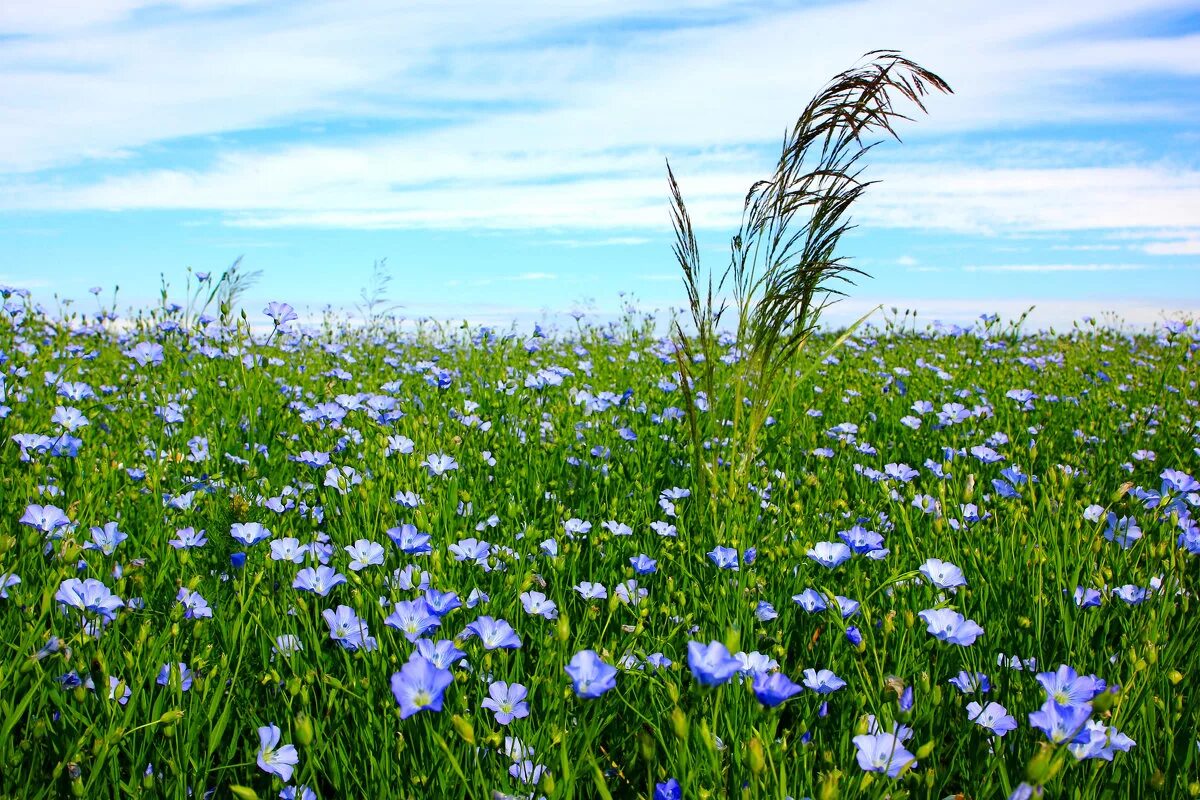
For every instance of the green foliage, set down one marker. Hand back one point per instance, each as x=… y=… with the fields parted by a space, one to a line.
x=784 y=268
x=560 y=454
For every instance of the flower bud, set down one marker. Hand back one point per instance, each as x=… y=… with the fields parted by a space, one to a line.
x=243 y=792
x=464 y=729
x=302 y=729
x=757 y=761
x=679 y=724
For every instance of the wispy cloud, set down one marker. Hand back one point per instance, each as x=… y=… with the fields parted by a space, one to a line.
x=1053 y=267
x=1070 y=128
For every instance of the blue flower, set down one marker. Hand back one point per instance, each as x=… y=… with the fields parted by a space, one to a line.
x=249 y=533
x=822 y=681
x=810 y=600
x=724 y=557
x=506 y=701
x=950 y=626
x=1066 y=687
x=829 y=554
x=178 y=671
x=106 y=539
x=413 y=618
x=668 y=790
x=195 y=606
x=1102 y=742
x=644 y=564
x=443 y=653
x=774 y=688
x=883 y=752
x=364 y=553
x=993 y=716
x=494 y=633
x=146 y=353
x=280 y=313
x=942 y=574
x=90 y=596
x=319 y=580
x=348 y=629
x=273 y=759
x=712 y=665
x=591 y=676
x=1062 y=724
x=419 y=685
x=410 y=540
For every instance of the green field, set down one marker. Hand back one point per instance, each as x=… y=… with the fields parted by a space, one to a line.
x=417 y=485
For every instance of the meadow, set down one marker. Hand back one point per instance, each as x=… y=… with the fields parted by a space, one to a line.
x=245 y=557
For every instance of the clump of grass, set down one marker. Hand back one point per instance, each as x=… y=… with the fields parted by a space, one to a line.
x=784 y=267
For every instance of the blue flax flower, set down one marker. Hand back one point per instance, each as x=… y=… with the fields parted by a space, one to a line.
x=711 y=664
x=591 y=676
x=419 y=685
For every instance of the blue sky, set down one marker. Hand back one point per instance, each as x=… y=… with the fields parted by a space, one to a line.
x=508 y=160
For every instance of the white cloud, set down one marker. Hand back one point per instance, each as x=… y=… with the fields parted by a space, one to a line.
x=1176 y=247
x=1053 y=267
x=525 y=123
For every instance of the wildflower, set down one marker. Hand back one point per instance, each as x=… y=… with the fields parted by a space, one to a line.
x=348 y=629
x=1066 y=687
x=950 y=626
x=413 y=618
x=410 y=540
x=537 y=604
x=883 y=752
x=643 y=564
x=249 y=533
x=506 y=701
x=146 y=353
x=942 y=574
x=971 y=682
x=187 y=538
x=493 y=633
x=1102 y=742
x=106 y=539
x=668 y=790
x=993 y=716
x=1062 y=724
x=280 y=313
x=810 y=600
x=288 y=549
x=527 y=772
x=822 y=681
x=419 y=685
x=319 y=580
x=590 y=676
x=170 y=672
x=442 y=654
x=724 y=557
x=90 y=596
x=774 y=688
x=287 y=644
x=342 y=478
x=364 y=554
x=591 y=591
x=275 y=760
x=439 y=465
x=115 y=683
x=195 y=606
x=711 y=665
x=829 y=554
x=48 y=519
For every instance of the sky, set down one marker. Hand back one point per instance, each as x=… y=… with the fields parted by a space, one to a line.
x=508 y=160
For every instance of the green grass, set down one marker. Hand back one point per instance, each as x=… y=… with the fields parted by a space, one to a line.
x=1022 y=562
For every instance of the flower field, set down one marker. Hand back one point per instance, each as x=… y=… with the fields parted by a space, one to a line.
x=252 y=558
